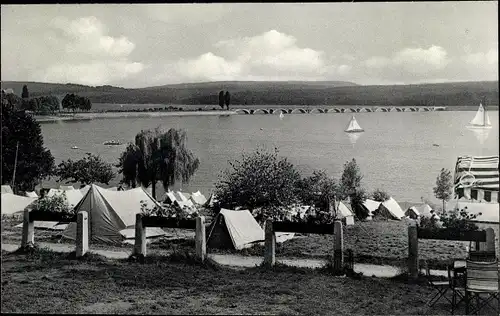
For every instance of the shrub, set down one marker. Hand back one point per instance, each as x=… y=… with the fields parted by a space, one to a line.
x=459 y=220
x=380 y=196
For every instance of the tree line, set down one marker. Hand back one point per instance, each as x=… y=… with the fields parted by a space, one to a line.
x=44 y=104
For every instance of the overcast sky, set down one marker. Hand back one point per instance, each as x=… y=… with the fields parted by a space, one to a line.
x=145 y=45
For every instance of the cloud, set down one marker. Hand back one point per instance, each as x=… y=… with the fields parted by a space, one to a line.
x=92 y=73
x=271 y=54
x=91 y=56
x=413 y=63
x=476 y=59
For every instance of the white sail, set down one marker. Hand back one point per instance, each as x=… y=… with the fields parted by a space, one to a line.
x=281 y=115
x=353 y=126
x=481 y=118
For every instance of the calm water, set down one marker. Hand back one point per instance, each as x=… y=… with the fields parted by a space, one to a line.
x=396 y=152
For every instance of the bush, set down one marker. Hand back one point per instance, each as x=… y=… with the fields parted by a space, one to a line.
x=459 y=220
x=170 y=211
x=56 y=203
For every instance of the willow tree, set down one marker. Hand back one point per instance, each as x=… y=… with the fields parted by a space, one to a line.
x=156 y=156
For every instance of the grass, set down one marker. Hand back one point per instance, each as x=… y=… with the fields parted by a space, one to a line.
x=47 y=282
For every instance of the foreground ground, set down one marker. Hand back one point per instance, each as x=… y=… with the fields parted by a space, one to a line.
x=47 y=282
x=376 y=242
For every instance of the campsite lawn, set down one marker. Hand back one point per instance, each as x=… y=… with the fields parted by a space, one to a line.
x=48 y=282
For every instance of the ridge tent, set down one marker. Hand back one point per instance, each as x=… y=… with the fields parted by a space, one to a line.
x=7 y=189
x=370 y=206
x=72 y=196
x=31 y=194
x=237 y=230
x=345 y=214
x=84 y=190
x=110 y=212
x=12 y=203
x=234 y=230
x=198 y=198
x=66 y=187
x=391 y=209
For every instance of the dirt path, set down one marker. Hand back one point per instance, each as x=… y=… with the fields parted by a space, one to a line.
x=381 y=271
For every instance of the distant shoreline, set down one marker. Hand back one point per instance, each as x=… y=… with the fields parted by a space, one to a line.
x=148 y=113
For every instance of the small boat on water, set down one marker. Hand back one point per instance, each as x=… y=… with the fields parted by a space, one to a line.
x=435 y=145
x=74 y=147
x=353 y=126
x=281 y=115
x=112 y=142
x=481 y=120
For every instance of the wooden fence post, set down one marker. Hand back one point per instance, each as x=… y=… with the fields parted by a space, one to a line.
x=140 y=236
x=338 y=247
x=413 y=251
x=269 y=245
x=490 y=240
x=28 y=230
x=200 y=238
x=82 y=234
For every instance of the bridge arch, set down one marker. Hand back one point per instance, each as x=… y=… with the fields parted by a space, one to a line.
x=354 y=110
x=313 y=111
x=242 y=111
x=298 y=110
x=260 y=111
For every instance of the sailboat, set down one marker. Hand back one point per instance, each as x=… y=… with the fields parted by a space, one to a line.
x=353 y=126
x=481 y=120
x=281 y=115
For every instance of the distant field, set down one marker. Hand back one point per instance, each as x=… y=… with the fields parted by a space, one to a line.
x=281 y=93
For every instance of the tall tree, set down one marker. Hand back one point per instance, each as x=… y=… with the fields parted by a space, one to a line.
x=90 y=169
x=221 y=99
x=227 y=99
x=260 y=180
x=156 y=156
x=69 y=102
x=443 y=188
x=319 y=190
x=34 y=161
x=25 y=94
x=350 y=186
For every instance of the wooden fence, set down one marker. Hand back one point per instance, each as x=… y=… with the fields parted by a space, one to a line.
x=141 y=222
x=81 y=219
x=292 y=227
x=485 y=240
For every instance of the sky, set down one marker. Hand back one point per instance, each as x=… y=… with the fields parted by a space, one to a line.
x=139 y=45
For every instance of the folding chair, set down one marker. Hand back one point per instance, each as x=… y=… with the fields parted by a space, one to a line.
x=456 y=275
x=439 y=285
x=481 y=278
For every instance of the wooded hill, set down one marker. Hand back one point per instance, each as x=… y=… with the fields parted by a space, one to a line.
x=279 y=93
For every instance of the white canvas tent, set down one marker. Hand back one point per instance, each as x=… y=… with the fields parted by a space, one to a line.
x=198 y=198
x=72 y=196
x=12 y=203
x=66 y=187
x=7 y=189
x=47 y=225
x=371 y=206
x=238 y=230
x=110 y=212
x=345 y=213
x=240 y=226
x=31 y=194
x=391 y=209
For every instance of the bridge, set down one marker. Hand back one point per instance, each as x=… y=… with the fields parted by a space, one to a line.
x=320 y=109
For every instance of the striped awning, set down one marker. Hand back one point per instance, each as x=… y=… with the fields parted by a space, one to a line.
x=484 y=169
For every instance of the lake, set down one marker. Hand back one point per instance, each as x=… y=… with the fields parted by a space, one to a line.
x=395 y=153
